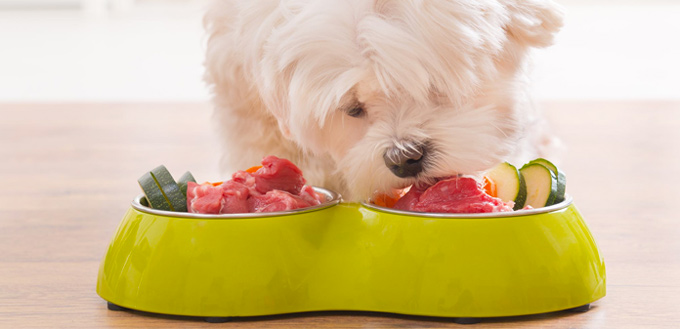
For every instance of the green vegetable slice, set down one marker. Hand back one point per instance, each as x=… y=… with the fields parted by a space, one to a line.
x=170 y=189
x=183 y=180
x=541 y=185
x=510 y=185
x=559 y=174
x=153 y=193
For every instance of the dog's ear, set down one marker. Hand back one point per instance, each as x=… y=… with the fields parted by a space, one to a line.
x=228 y=56
x=534 y=22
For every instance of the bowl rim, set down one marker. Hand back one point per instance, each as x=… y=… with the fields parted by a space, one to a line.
x=333 y=198
x=568 y=200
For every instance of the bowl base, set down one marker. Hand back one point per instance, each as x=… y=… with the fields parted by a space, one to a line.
x=114 y=307
x=217 y=319
x=580 y=309
x=467 y=320
x=456 y=320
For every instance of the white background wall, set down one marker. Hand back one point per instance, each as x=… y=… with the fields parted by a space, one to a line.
x=152 y=51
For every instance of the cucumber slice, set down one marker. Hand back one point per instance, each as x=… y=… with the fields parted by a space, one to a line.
x=510 y=185
x=183 y=180
x=170 y=189
x=153 y=193
x=561 y=178
x=541 y=185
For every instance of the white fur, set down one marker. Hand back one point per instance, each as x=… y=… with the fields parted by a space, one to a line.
x=450 y=73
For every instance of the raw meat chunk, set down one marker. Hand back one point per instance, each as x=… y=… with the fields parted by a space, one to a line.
x=234 y=198
x=452 y=195
x=204 y=198
x=277 y=186
x=275 y=200
x=278 y=174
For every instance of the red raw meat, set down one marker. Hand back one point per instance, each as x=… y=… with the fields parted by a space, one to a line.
x=278 y=174
x=204 y=198
x=308 y=194
x=277 y=186
x=275 y=200
x=234 y=198
x=246 y=179
x=453 y=195
x=410 y=199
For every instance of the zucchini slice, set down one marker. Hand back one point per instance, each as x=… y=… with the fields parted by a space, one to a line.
x=183 y=180
x=170 y=189
x=560 y=175
x=510 y=185
x=541 y=185
x=153 y=193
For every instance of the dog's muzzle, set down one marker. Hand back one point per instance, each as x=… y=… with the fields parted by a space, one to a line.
x=405 y=161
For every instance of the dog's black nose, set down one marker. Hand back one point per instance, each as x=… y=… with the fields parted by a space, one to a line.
x=406 y=161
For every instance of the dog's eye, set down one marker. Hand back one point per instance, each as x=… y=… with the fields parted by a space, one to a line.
x=357 y=111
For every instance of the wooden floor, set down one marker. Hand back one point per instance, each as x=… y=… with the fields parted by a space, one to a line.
x=69 y=171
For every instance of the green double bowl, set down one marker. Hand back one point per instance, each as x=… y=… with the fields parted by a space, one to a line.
x=340 y=256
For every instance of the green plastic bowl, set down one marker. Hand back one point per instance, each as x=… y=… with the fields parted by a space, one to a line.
x=340 y=256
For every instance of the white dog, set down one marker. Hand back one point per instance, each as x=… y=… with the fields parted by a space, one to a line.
x=372 y=95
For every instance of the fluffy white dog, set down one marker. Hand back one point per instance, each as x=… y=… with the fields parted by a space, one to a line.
x=373 y=95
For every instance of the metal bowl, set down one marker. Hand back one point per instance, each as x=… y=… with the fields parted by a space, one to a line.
x=518 y=213
x=332 y=198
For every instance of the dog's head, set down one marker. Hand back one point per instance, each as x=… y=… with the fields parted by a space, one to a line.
x=396 y=92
